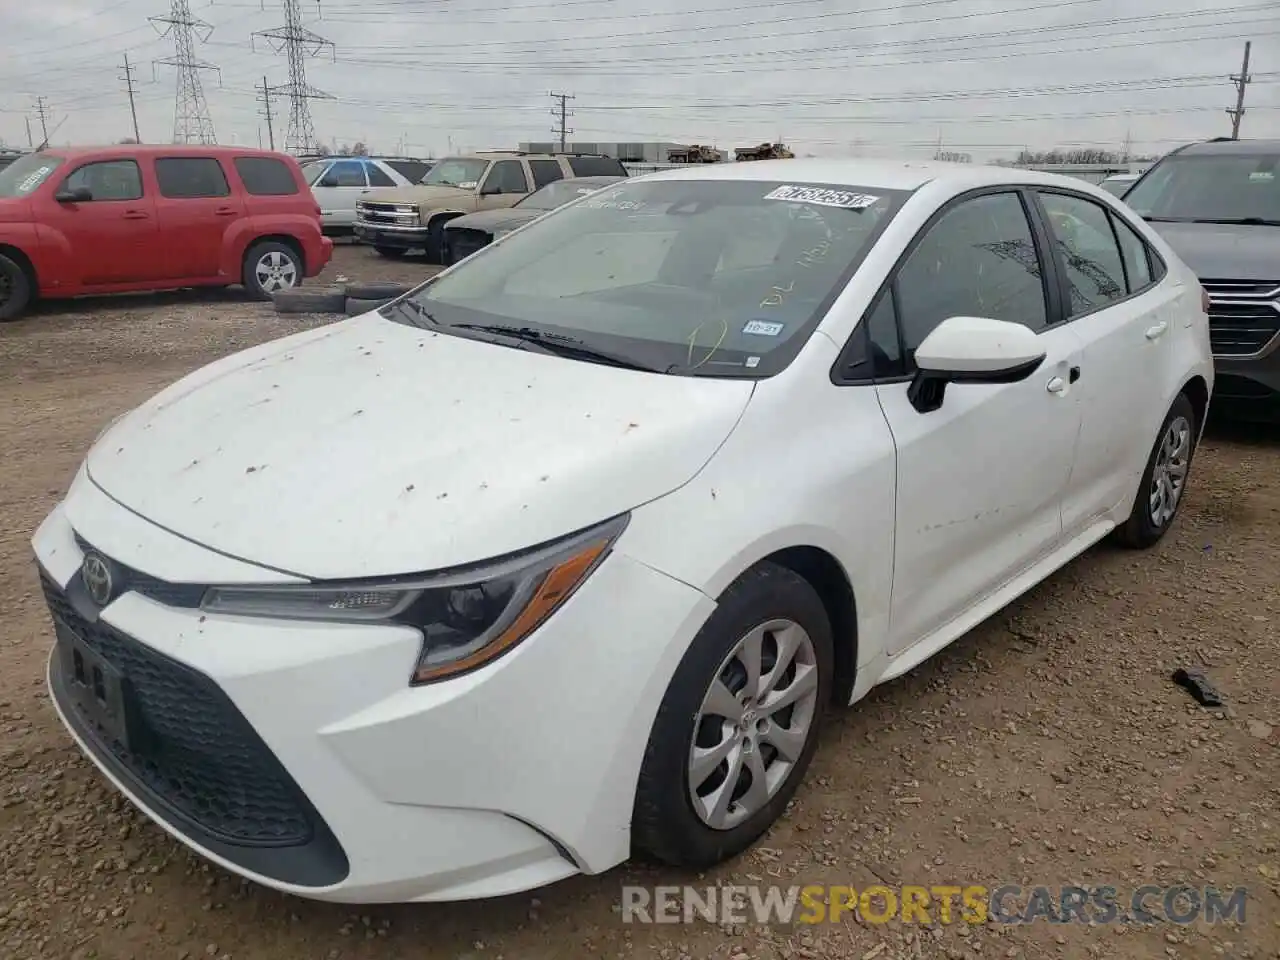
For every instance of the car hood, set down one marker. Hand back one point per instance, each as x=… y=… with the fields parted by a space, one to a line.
x=370 y=448
x=1221 y=251
x=421 y=196
x=491 y=220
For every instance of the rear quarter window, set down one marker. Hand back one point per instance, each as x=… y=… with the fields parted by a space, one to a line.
x=596 y=167
x=266 y=176
x=411 y=170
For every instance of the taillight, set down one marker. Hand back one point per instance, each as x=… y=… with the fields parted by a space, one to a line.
x=1204 y=300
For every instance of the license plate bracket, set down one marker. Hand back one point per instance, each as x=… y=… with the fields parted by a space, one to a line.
x=98 y=689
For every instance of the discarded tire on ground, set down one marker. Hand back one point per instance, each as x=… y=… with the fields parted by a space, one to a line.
x=377 y=289
x=359 y=305
x=310 y=300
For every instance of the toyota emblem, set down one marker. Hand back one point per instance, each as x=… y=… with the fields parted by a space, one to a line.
x=96 y=574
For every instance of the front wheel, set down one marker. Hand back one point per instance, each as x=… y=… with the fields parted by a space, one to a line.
x=738 y=724
x=1164 y=481
x=15 y=289
x=269 y=268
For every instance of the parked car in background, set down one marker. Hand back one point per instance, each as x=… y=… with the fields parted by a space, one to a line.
x=413 y=218
x=300 y=639
x=1218 y=204
x=1118 y=183
x=465 y=235
x=8 y=156
x=130 y=218
x=338 y=182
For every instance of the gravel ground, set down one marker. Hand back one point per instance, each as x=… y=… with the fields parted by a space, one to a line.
x=1047 y=746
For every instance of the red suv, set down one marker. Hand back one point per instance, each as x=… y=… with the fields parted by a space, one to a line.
x=132 y=218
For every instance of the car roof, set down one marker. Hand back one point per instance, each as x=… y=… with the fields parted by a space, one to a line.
x=876 y=174
x=596 y=178
x=1231 y=148
x=160 y=149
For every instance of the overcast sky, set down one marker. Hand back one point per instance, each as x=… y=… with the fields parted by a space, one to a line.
x=424 y=77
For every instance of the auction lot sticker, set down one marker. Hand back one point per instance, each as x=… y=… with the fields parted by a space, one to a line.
x=822 y=196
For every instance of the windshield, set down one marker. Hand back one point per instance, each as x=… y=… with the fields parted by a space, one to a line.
x=557 y=194
x=456 y=172
x=25 y=174
x=1210 y=188
x=695 y=277
x=311 y=171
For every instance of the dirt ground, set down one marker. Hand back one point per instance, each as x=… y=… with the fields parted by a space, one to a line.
x=1047 y=747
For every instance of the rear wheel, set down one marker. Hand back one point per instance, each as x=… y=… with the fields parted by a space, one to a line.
x=271 y=267
x=1165 y=479
x=15 y=289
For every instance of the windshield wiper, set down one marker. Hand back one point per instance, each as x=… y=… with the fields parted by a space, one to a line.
x=1246 y=221
x=420 y=317
x=558 y=344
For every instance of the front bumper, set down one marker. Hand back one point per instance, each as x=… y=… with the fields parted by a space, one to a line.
x=395 y=237
x=297 y=755
x=1248 y=389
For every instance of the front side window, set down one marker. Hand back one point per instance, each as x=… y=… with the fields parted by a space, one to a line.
x=697 y=277
x=978 y=260
x=464 y=172
x=1089 y=251
x=344 y=173
x=107 y=180
x=191 y=178
x=25 y=174
x=1210 y=188
x=507 y=176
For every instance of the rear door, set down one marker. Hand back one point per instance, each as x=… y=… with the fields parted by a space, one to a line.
x=1123 y=319
x=196 y=208
x=112 y=238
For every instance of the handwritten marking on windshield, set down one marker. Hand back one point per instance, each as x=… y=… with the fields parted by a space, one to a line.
x=774 y=299
x=693 y=343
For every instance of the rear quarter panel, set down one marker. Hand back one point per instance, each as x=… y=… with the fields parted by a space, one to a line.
x=294 y=215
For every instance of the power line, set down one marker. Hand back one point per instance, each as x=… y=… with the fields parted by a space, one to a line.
x=1241 y=82
x=191 y=120
x=133 y=107
x=299 y=44
x=562 y=111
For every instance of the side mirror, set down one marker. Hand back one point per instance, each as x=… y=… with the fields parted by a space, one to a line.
x=77 y=195
x=972 y=350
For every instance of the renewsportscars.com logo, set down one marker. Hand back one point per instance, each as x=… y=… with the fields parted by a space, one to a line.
x=972 y=904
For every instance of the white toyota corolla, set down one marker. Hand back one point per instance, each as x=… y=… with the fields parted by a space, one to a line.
x=566 y=553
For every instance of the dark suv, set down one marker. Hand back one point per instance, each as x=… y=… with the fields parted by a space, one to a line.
x=1218 y=205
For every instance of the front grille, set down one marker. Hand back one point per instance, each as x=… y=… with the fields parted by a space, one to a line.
x=464 y=242
x=170 y=594
x=1244 y=315
x=200 y=760
x=385 y=213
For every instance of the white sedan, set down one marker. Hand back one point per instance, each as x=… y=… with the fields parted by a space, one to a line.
x=603 y=519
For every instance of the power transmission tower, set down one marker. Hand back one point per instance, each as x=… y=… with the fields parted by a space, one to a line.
x=44 y=122
x=265 y=99
x=1241 y=82
x=191 y=120
x=299 y=44
x=562 y=113
x=133 y=107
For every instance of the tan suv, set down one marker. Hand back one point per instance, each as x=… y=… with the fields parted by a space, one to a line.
x=396 y=221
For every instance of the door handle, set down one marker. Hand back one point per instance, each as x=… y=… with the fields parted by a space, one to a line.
x=1056 y=385
x=135 y=215
x=1074 y=375
x=1156 y=332
x=225 y=211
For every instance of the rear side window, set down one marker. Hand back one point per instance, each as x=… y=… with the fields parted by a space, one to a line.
x=411 y=170
x=596 y=167
x=266 y=176
x=1095 y=270
x=545 y=171
x=377 y=177
x=1137 y=257
x=188 y=178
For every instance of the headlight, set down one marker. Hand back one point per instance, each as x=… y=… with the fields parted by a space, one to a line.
x=468 y=617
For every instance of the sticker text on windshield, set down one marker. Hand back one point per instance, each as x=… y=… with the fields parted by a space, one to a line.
x=822 y=197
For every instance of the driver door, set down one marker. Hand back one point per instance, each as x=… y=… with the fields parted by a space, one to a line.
x=982 y=479
x=505 y=185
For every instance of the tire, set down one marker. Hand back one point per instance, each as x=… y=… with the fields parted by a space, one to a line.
x=283 y=268
x=391 y=253
x=15 y=289
x=1144 y=529
x=377 y=290
x=355 y=306
x=665 y=824
x=435 y=240
x=314 y=300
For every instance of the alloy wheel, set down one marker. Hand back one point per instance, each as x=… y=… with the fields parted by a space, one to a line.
x=276 y=271
x=1169 y=476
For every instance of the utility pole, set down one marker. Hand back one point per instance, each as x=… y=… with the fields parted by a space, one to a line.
x=265 y=100
x=133 y=107
x=299 y=44
x=1241 y=82
x=563 y=114
x=30 y=142
x=44 y=121
x=191 y=120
